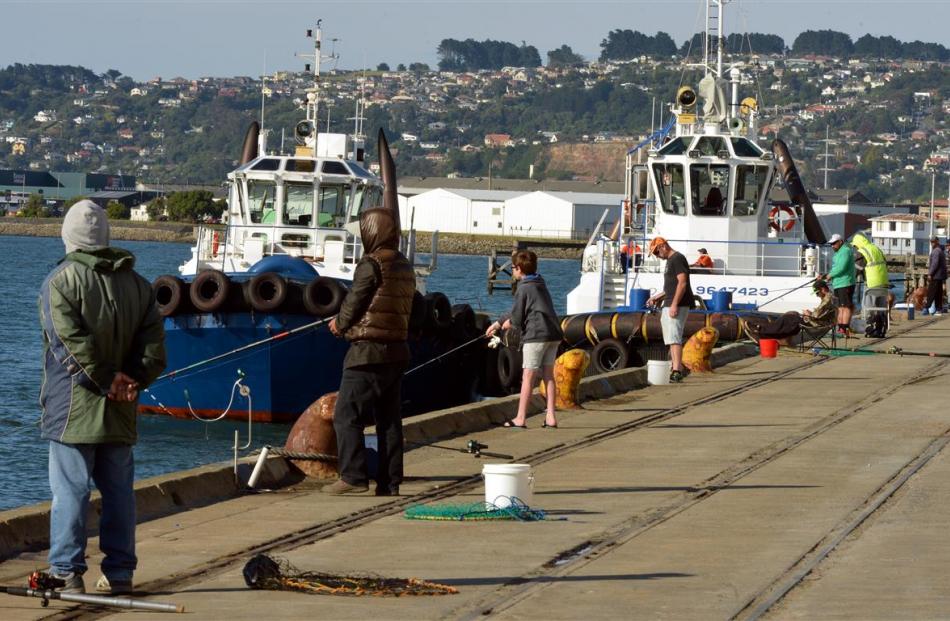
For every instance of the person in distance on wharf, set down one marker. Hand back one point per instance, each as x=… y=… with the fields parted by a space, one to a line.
x=103 y=341
x=533 y=314
x=676 y=298
x=374 y=318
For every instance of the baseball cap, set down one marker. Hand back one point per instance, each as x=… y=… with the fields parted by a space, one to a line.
x=655 y=243
x=835 y=238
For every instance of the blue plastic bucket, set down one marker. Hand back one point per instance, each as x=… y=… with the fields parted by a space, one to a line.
x=638 y=299
x=721 y=301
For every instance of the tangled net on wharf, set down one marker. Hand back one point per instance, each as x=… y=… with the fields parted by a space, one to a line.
x=263 y=572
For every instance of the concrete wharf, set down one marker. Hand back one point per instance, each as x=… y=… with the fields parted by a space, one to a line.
x=797 y=487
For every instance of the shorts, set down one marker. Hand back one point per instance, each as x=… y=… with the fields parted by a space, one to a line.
x=673 y=327
x=537 y=355
x=844 y=297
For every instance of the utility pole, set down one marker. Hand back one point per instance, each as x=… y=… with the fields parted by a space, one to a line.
x=826 y=156
x=933 y=182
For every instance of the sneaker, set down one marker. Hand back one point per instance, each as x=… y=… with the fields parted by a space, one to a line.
x=342 y=487
x=74 y=582
x=676 y=377
x=114 y=587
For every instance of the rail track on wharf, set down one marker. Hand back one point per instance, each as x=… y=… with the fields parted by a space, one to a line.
x=576 y=557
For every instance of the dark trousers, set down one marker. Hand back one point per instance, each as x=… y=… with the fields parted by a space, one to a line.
x=370 y=394
x=935 y=293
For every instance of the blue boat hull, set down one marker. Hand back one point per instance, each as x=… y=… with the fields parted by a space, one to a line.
x=287 y=374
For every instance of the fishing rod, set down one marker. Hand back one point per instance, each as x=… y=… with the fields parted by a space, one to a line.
x=810 y=282
x=474 y=448
x=440 y=357
x=276 y=337
x=43 y=585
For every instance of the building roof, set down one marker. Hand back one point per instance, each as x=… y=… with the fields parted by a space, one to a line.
x=480 y=195
x=417 y=185
x=902 y=217
x=585 y=198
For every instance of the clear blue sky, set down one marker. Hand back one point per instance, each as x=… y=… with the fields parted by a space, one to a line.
x=168 y=38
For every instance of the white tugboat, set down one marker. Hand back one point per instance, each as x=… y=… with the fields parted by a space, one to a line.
x=705 y=184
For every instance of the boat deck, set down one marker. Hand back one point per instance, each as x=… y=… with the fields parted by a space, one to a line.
x=795 y=487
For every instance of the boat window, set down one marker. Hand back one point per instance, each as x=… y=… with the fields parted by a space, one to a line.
x=672 y=187
x=260 y=201
x=711 y=145
x=304 y=166
x=359 y=171
x=750 y=185
x=710 y=186
x=677 y=146
x=335 y=168
x=268 y=163
x=367 y=197
x=745 y=148
x=332 y=205
x=298 y=204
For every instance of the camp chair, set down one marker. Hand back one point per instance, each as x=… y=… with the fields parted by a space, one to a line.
x=821 y=336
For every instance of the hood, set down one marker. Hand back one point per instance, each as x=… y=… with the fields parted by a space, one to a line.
x=104 y=259
x=85 y=227
x=378 y=229
x=529 y=279
x=860 y=241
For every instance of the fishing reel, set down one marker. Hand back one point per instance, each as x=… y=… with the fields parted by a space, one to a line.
x=475 y=448
x=42 y=581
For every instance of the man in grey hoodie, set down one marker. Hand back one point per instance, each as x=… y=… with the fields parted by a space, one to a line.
x=103 y=342
x=533 y=313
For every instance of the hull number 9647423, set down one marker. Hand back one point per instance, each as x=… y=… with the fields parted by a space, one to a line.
x=748 y=291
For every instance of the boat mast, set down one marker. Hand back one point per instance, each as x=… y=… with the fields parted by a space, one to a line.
x=714 y=23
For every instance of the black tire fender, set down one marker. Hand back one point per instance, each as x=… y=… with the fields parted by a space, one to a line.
x=323 y=296
x=609 y=355
x=210 y=290
x=171 y=296
x=266 y=292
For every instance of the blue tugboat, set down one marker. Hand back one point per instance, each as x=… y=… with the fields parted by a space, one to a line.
x=246 y=319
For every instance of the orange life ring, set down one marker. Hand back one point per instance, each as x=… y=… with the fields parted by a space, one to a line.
x=215 y=241
x=789 y=222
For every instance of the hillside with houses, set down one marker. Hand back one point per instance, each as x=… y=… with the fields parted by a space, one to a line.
x=855 y=119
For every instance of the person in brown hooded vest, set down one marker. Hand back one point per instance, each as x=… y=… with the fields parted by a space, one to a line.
x=374 y=318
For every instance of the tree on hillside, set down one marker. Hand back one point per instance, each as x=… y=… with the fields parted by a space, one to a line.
x=562 y=56
x=472 y=55
x=878 y=47
x=117 y=211
x=627 y=44
x=418 y=67
x=382 y=67
x=824 y=43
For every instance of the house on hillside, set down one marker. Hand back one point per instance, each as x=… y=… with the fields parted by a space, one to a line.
x=498 y=140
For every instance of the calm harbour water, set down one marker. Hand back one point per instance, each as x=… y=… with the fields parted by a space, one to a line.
x=165 y=444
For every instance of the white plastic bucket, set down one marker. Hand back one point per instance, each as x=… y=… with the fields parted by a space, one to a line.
x=506 y=481
x=658 y=371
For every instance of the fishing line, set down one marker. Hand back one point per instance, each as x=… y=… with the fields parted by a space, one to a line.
x=451 y=351
x=810 y=282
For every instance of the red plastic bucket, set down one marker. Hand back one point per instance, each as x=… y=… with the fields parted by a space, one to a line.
x=768 y=348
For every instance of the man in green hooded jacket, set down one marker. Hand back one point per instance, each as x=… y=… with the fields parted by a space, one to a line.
x=103 y=342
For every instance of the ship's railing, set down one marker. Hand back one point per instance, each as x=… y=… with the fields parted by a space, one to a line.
x=243 y=245
x=740 y=258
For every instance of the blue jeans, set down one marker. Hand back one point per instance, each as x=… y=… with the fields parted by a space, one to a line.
x=111 y=467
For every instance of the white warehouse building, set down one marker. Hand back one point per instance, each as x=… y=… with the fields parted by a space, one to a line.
x=563 y=215
x=545 y=214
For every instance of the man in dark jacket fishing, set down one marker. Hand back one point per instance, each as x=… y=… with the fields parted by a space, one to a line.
x=374 y=318
x=103 y=342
